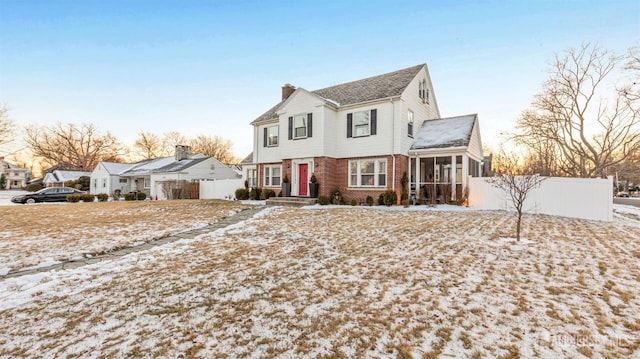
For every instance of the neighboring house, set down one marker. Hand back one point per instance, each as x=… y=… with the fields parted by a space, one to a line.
x=16 y=177
x=361 y=136
x=148 y=176
x=57 y=178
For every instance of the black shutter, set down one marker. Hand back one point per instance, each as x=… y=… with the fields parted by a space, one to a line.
x=290 y=127
x=374 y=122
x=264 y=143
x=309 y=125
x=349 y=125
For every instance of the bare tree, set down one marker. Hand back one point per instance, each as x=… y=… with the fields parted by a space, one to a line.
x=7 y=126
x=516 y=183
x=72 y=146
x=148 y=145
x=216 y=146
x=170 y=140
x=571 y=122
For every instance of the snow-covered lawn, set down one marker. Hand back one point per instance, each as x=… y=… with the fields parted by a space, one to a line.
x=346 y=282
x=42 y=234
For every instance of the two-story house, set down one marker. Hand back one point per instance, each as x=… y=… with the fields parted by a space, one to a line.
x=15 y=177
x=361 y=136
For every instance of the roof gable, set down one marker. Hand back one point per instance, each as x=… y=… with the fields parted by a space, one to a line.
x=387 y=85
x=445 y=132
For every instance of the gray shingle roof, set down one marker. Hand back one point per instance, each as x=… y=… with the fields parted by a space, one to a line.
x=445 y=132
x=372 y=88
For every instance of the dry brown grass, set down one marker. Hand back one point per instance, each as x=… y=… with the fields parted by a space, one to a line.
x=347 y=282
x=32 y=234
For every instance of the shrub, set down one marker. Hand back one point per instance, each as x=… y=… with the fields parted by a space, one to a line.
x=142 y=196
x=389 y=198
x=129 y=196
x=87 y=197
x=267 y=193
x=102 y=197
x=324 y=200
x=354 y=202
x=369 y=201
x=73 y=198
x=405 y=186
x=336 y=196
x=254 y=194
x=242 y=194
x=116 y=195
x=32 y=187
x=381 y=200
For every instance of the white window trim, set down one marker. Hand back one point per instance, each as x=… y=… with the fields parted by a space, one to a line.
x=277 y=136
x=268 y=176
x=354 y=126
x=376 y=173
x=145 y=182
x=306 y=126
x=410 y=120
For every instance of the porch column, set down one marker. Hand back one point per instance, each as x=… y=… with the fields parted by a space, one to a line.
x=409 y=173
x=465 y=170
x=454 y=183
x=418 y=192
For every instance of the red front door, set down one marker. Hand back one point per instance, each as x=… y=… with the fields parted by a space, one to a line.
x=303 y=172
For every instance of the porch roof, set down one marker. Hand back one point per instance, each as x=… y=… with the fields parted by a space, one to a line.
x=444 y=133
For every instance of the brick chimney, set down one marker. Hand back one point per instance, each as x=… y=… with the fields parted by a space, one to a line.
x=287 y=90
x=182 y=152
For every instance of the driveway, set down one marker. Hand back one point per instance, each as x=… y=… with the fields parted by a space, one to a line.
x=627 y=201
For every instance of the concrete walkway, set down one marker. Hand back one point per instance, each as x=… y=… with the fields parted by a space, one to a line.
x=76 y=263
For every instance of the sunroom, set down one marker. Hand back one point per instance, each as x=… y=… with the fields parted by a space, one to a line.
x=444 y=154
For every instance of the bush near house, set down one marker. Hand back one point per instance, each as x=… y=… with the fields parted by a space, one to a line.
x=369 y=201
x=87 y=197
x=389 y=198
x=336 y=196
x=142 y=196
x=73 y=198
x=324 y=200
x=354 y=202
x=242 y=194
x=267 y=193
x=254 y=194
x=102 y=197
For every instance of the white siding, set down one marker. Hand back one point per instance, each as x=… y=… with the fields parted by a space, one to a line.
x=475 y=143
x=379 y=144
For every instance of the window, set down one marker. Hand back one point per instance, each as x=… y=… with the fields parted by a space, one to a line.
x=104 y=182
x=362 y=123
x=270 y=136
x=423 y=91
x=368 y=173
x=145 y=183
x=124 y=180
x=410 y=123
x=95 y=183
x=272 y=176
x=300 y=126
x=251 y=178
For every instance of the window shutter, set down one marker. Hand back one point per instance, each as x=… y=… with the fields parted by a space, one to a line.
x=264 y=142
x=290 y=127
x=349 y=125
x=374 y=122
x=309 y=124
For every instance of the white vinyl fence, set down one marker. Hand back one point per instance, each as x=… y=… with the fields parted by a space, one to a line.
x=220 y=189
x=586 y=198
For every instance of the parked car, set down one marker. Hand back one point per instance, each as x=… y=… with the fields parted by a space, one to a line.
x=622 y=194
x=51 y=194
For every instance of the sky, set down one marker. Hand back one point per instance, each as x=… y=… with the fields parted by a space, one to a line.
x=211 y=67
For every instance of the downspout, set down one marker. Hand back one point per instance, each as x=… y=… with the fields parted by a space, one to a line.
x=393 y=146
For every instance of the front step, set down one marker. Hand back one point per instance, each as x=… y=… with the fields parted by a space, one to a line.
x=291 y=201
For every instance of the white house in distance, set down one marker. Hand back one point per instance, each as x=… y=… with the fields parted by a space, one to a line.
x=148 y=176
x=361 y=136
x=16 y=177
x=57 y=178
